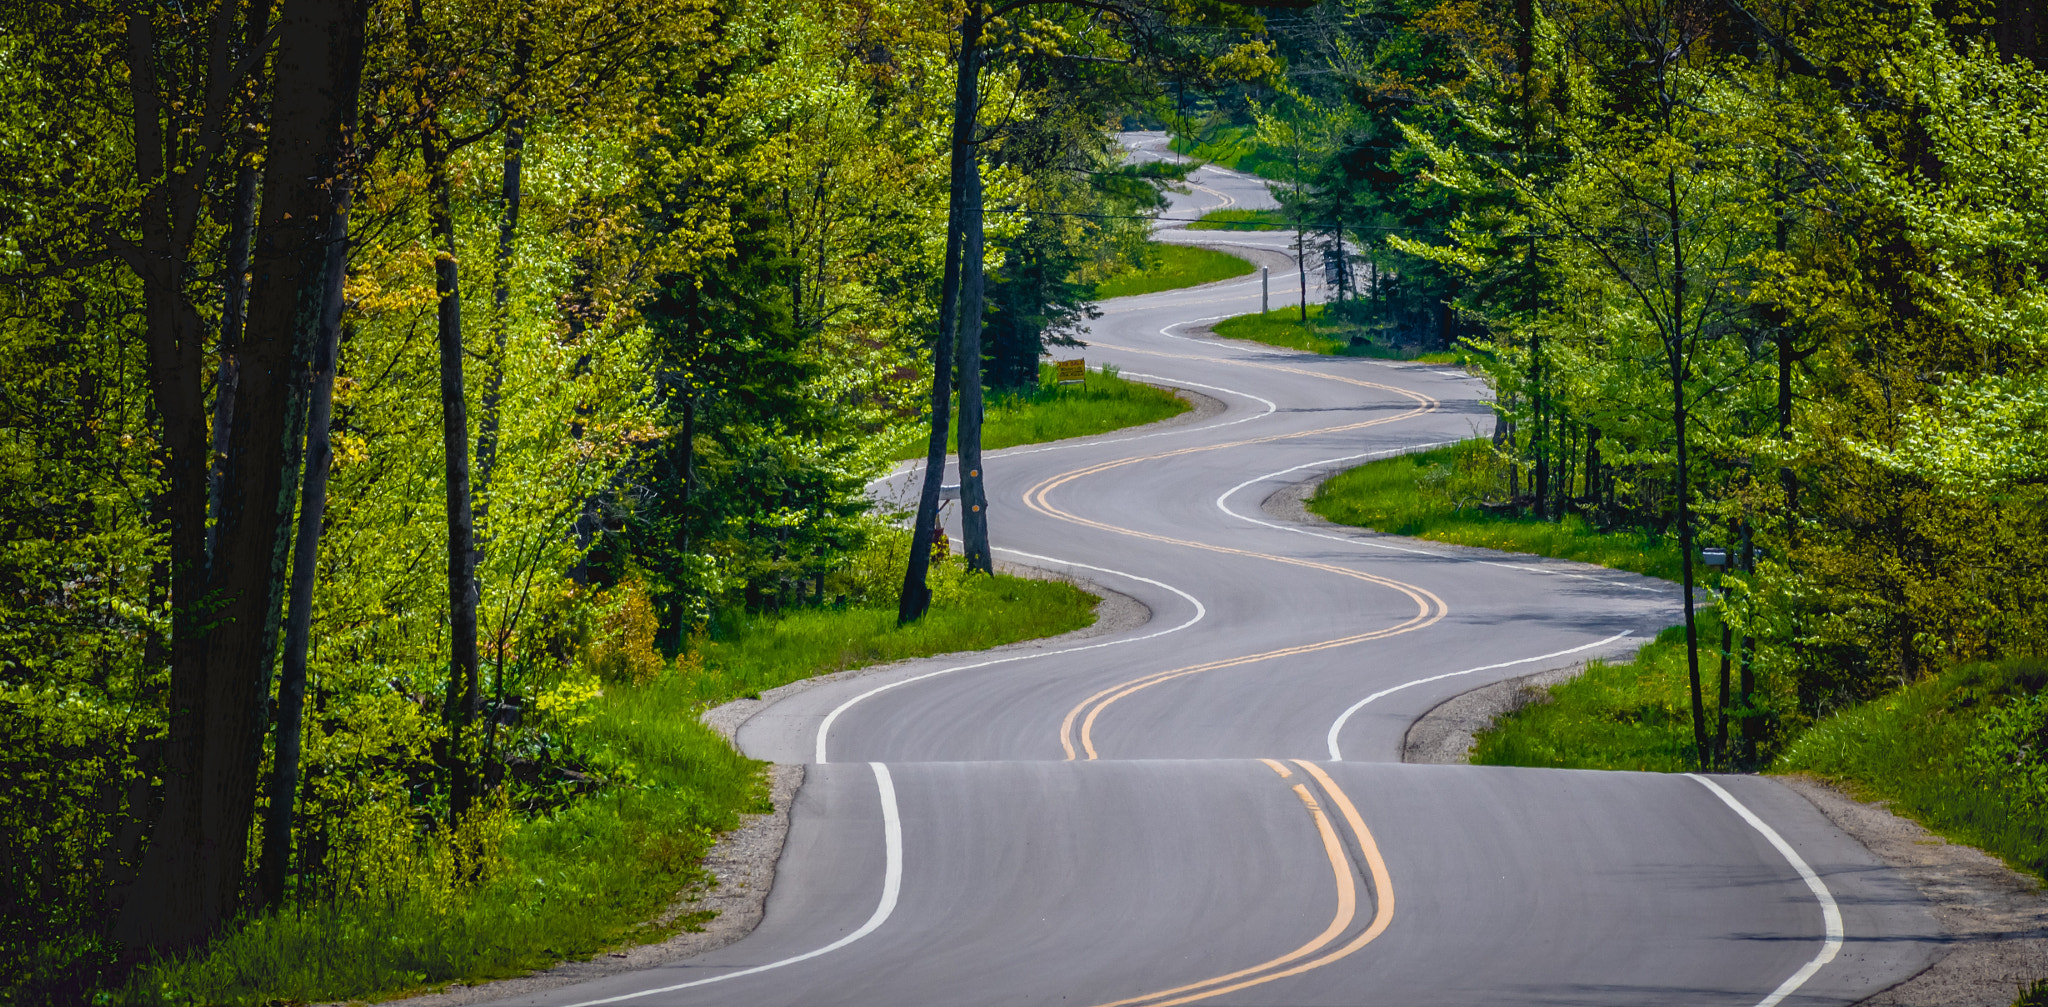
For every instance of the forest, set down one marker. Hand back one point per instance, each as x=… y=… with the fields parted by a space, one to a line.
x=1766 y=279
x=391 y=388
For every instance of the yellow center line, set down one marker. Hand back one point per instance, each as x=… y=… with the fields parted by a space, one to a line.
x=1347 y=901
x=1429 y=608
x=1347 y=909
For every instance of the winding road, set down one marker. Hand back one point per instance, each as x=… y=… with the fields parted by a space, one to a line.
x=1211 y=808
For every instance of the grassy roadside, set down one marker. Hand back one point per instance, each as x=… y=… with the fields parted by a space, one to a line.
x=1170 y=267
x=1441 y=495
x=1241 y=220
x=590 y=874
x=1964 y=753
x=1960 y=753
x=1284 y=328
x=1103 y=402
x=1633 y=715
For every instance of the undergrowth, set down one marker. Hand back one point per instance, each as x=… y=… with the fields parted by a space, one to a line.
x=1964 y=752
x=1629 y=715
x=505 y=895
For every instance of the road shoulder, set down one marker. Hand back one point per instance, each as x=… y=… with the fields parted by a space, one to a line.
x=1996 y=918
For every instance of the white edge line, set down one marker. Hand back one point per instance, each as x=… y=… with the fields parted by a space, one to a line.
x=1831 y=916
x=825 y=728
x=1338 y=756
x=892 y=885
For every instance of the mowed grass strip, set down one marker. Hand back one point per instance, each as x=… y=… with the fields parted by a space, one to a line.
x=1241 y=220
x=1170 y=267
x=1441 y=495
x=1103 y=402
x=593 y=874
x=1631 y=715
x=1284 y=328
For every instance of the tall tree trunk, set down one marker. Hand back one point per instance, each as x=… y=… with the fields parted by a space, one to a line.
x=291 y=685
x=973 y=497
x=1675 y=351
x=916 y=597
x=191 y=875
x=464 y=692
x=168 y=903
x=1752 y=726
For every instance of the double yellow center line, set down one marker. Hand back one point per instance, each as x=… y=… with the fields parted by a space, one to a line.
x=1429 y=607
x=1349 y=880
x=1077 y=729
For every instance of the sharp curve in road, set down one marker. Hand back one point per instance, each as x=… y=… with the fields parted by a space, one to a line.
x=1211 y=808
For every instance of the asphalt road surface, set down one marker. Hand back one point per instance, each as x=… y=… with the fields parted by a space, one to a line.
x=1211 y=809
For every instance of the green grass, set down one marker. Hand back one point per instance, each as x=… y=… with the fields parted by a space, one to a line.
x=591 y=875
x=1913 y=747
x=1241 y=220
x=1234 y=147
x=1170 y=267
x=1634 y=715
x=1051 y=412
x=1284 y=328
x=969 y=612
x=1440 y=495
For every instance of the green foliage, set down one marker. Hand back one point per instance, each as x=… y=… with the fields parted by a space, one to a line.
x=1961 y=752
x=584 y=878
x=1241 y=220
x=1170 y=267
x=593 y=873
x=1458 y=494
x=2034 y=994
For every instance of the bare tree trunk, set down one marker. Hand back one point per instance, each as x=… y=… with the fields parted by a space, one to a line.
x=510 y=192
x=1752 y=726
x=916 y=597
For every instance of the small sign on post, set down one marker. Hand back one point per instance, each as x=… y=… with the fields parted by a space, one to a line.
x=1071 y=372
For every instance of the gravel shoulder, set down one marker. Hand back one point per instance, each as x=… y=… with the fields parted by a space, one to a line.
x=1996 y=917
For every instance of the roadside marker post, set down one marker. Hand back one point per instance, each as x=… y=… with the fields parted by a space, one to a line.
x=1265 y=289
x=1072 y=372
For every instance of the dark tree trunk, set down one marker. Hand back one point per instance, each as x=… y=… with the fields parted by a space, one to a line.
x=973 y=498
x=509 y=201
x=1676 y=361
x=464 y=694
x=233 y=314
x=1752 y=726
x=916 y=597
x=190 y=878
x=291 y=686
